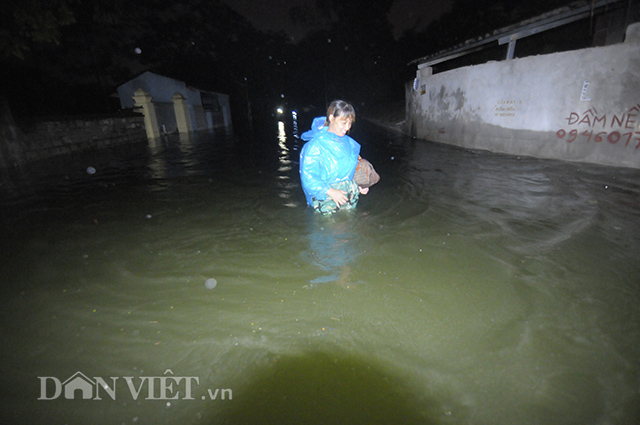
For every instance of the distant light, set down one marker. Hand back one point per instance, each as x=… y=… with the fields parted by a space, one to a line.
x=282 y=95
x=294 y=113
x=280 y=110
x=137 y=50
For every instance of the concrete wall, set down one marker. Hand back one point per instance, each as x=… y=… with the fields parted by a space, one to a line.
x=166 y=116
x=50 y=138
x=581 y=105
x=161 y=88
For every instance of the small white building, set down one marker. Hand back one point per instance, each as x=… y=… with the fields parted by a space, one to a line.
x=171 y=106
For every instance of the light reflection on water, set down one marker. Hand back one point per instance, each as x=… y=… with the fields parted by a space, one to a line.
x=465 y=288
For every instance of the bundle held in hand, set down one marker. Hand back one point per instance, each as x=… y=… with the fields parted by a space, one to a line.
x=365 y=175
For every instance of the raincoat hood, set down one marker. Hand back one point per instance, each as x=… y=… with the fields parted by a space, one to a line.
x=316 y=126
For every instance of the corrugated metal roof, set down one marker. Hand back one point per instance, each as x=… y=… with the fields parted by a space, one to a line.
x=555 y=18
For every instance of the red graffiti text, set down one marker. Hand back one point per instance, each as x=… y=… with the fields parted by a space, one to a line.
x=611 y=137
x=628 y=120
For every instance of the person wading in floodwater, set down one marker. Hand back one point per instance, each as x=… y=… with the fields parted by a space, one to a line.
x=329 y=159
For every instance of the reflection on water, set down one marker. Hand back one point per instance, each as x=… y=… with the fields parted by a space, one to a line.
x=465 y=288
x=286 y=177
x=333 y=248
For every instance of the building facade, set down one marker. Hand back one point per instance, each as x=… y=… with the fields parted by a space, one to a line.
x=171 y=106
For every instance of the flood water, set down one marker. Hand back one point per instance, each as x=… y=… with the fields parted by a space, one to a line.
x=466 y=288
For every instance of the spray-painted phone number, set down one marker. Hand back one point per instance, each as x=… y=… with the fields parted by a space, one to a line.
x=591 y=118
x=613 y=137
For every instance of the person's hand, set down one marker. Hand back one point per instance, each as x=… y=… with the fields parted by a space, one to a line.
x=363 y=190
x=338 y=196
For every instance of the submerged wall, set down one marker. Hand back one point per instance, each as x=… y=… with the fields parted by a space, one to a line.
x=582 y=105
x=49 y=138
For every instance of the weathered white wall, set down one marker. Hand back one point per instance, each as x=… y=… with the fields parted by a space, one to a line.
x=582 y=105
x=159 y=87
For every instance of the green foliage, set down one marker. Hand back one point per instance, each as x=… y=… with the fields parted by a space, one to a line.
x=28 y=22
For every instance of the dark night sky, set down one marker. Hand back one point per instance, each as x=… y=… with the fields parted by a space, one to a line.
x=274 y=15
x=199 y=42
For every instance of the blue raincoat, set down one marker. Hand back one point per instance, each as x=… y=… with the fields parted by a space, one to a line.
x=325 y=159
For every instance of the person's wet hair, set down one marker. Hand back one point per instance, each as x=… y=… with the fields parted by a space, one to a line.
x=340 y=109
